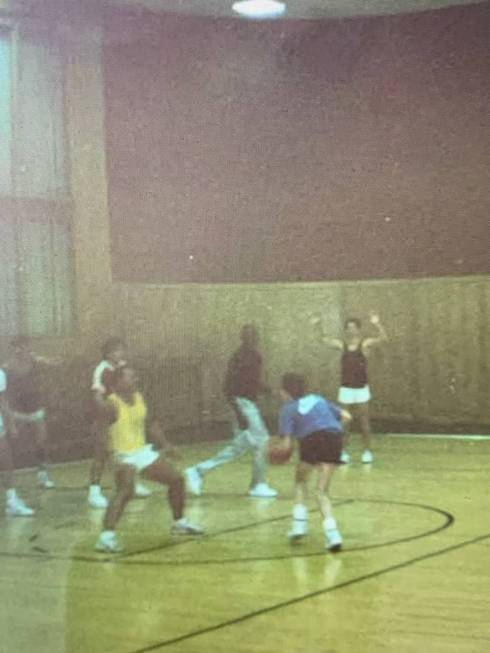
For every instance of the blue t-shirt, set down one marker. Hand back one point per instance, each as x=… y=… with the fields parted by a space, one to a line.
x=300 y=417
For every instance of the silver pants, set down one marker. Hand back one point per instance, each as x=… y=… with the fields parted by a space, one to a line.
x=254 y=439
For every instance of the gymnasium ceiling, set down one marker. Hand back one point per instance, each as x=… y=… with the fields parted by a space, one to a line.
x=296 y=9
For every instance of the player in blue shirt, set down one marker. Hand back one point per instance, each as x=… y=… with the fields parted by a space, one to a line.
x=318 y=426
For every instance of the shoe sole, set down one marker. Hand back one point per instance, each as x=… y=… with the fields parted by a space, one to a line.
x=335 y=548
x=101 y=549
x=19 y=514
x=296 y=538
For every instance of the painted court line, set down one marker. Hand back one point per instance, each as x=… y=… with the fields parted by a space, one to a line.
x=437 y=436
x=284 y=604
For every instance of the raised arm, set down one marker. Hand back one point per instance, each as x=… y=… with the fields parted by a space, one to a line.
x=318 y=323
x=381 y=336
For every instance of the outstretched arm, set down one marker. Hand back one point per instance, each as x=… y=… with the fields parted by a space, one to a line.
x=318 y=323
x=381 y=336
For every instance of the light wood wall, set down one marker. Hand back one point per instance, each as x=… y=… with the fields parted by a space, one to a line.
x=435 y=368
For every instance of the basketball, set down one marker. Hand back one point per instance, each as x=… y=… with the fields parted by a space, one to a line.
x=278 y=453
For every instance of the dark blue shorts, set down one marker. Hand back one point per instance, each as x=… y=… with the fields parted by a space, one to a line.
x=321 y=447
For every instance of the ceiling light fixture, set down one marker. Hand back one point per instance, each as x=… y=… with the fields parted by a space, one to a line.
x=259 y=9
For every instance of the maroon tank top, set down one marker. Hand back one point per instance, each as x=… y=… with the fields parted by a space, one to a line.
x=354 y=368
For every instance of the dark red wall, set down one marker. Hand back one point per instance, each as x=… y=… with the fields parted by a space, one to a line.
x=299 y=151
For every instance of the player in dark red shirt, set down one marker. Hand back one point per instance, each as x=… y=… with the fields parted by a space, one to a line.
x=242 y=386
x=24 y=395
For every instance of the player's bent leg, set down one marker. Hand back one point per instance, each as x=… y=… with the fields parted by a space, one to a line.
x=333 y=538
x=258 y=439
x=259 y=488
x=365 y=423
x=236 y=448
x=344 y=456
x=96 y=499
x=42 y=442
x=125 y=478
x=14 y=506
x=299 y=525
x=164 y=473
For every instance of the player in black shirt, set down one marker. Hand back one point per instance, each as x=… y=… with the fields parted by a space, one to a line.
x=23 y=372
x=241 y=387
x=354 y=391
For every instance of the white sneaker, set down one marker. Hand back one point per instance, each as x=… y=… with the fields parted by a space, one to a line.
x=44 y=481
x=367 y=457
x=184 y=527
x=141 y=491
x=96 y=499
x=193 y=480
x=263 y=491
x=298 y=530
x=333 y=540
x=107 y=543
x=344 y=458
x=17 y=508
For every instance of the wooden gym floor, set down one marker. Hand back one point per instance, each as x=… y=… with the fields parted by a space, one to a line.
x=414 y=575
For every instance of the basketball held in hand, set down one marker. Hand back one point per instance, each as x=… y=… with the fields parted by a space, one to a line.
x=279 y=452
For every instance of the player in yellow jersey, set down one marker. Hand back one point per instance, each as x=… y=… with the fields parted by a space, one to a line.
x=125 y=411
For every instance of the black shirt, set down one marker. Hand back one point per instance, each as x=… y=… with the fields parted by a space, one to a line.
x=354 y=368
x=243 y=374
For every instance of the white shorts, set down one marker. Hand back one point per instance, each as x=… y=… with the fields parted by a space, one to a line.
x=30 y=418
x=349 y=396
x=139 y=459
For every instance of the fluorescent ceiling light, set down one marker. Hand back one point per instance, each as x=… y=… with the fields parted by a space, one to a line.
x=259 y=9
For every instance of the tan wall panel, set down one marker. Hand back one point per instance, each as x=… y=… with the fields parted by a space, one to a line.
x=85 y=114
x=433 y=367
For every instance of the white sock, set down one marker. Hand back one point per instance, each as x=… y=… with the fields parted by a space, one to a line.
x=180 y=522
x=95 y=489
x=300 y=512
x=330 y=524
x=11 y=494
x=107 y=534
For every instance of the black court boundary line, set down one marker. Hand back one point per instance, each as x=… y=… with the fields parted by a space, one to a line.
x=449 y=521
x=204 y=537
x=121 y=558
x=310 y=595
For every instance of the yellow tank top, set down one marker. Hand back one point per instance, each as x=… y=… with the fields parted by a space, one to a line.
x=127 y=433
